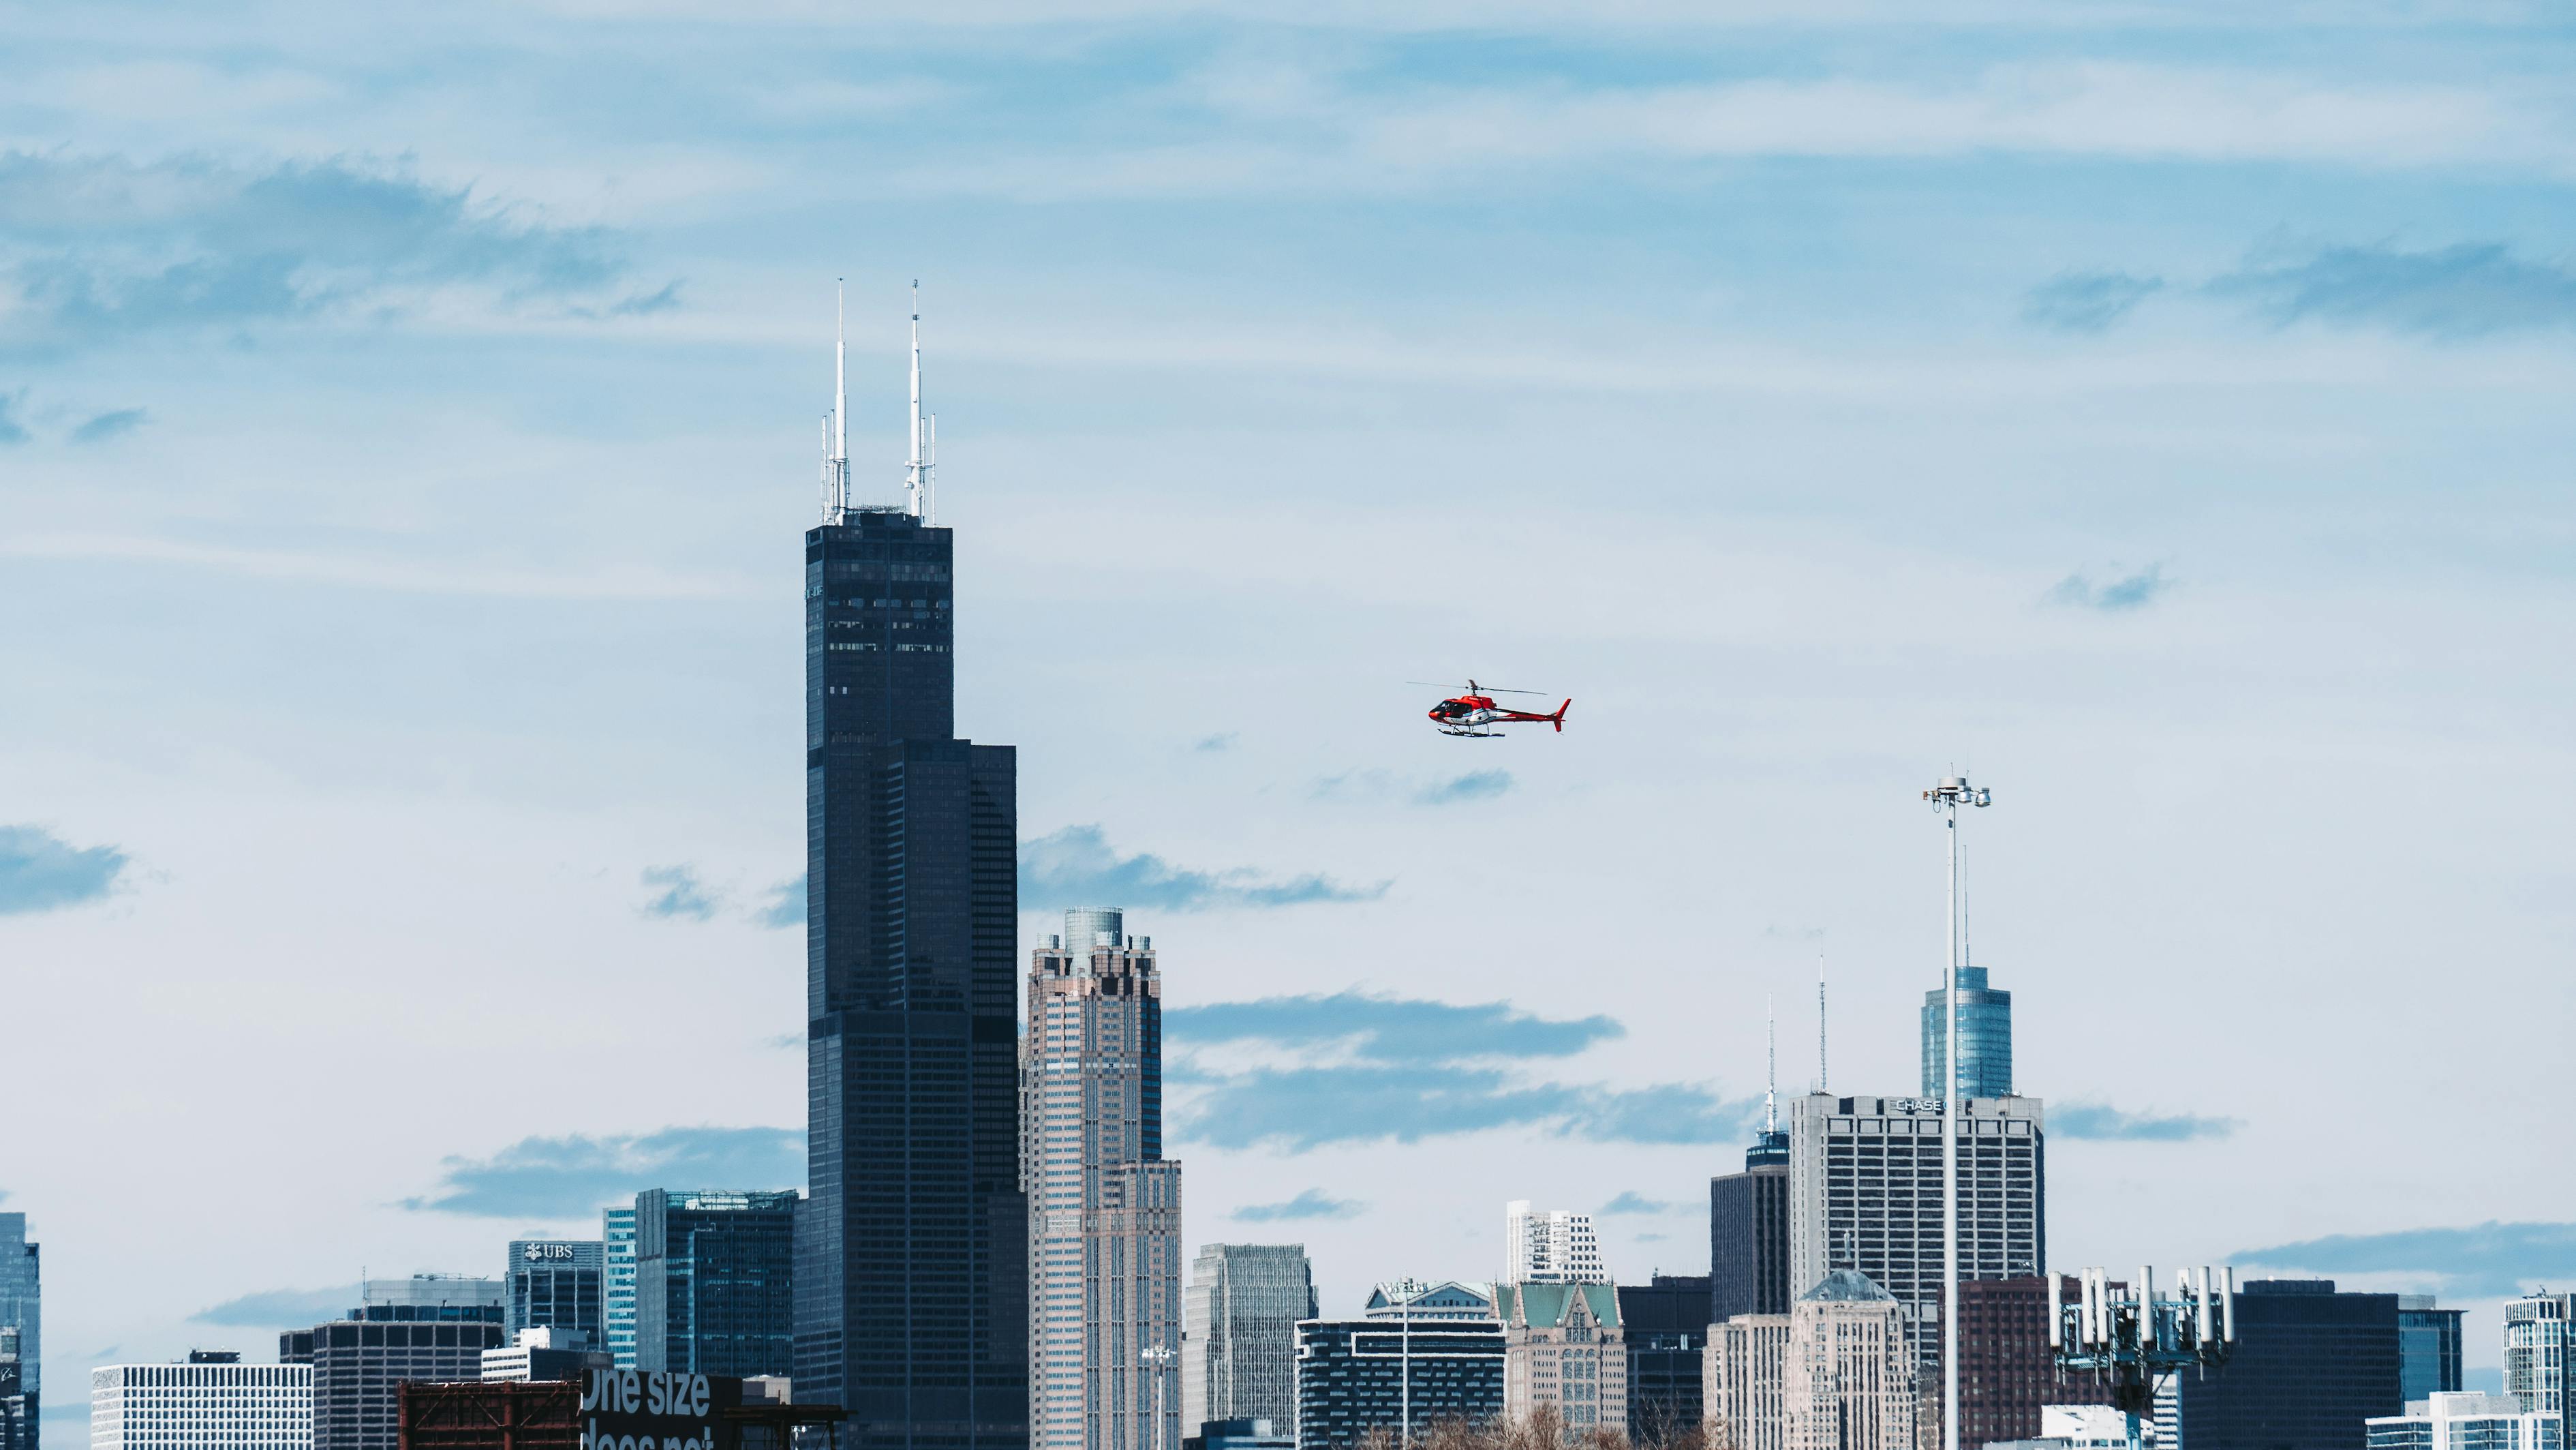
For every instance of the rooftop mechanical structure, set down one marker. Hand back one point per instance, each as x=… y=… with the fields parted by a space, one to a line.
x=2128 y=1340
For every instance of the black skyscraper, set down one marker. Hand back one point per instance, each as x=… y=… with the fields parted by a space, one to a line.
x=911 y=1277
x=2309 y=1366
x=1748 y=1234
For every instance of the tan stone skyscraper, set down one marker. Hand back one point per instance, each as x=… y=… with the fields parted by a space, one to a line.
x=1849 y=1376
x=1104 y=1206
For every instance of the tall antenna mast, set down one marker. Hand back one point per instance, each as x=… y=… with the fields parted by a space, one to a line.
x=916 y=471
x=1821 y=1079
x=1771 y=1083
x=836 y=425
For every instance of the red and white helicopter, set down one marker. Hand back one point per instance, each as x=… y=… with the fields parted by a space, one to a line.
x=1475 y=713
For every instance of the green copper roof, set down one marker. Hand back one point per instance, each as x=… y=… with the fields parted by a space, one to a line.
x=1846 y=1285
x=1544 y=1306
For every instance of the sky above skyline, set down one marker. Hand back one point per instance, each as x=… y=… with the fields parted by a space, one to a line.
x=407 y=424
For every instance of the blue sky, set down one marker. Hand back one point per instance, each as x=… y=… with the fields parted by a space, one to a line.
x=406 y=424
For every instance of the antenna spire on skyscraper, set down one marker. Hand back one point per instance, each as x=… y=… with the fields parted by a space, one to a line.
x=836 y=424
x=1821 y=1078
x=1771 y=1074
x=918 y=466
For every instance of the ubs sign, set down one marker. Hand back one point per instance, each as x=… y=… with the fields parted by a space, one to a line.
x=639 y=1410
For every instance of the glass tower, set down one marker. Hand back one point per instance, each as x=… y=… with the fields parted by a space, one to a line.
x=2428 y=1348
x=22 y=1302
x=911 y=1276
x=617 y=1284
x=554 y=1284
x=711 y=1282
x=1985 y=1040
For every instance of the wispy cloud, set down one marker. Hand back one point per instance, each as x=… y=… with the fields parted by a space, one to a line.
x=1075 y=866
x=1310 y=1204
x=1297 y=1109
x=2469 y=290
x=108 y=426
x=2096 y=1120
x=40 y=871
x=786 y=906
x=281 y=1308
x=677 y=893
x=1211 y=744
x=2482 y=1261
x=2085 y=301
x=1388 y=1029
x=1632 y=1201
x=106 y=247
x=2115 y=596
x=11 y=430
x=575 y=1175
x=1475 y=785
x=368 y=569
x=1379 y=785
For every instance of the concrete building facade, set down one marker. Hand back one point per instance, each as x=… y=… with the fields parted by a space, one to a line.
x=427 y=1327
x=1849 y=1378
x=1865 y=1195
x=1743 y=1379
x=1564 y=1351
x=2540 y=1355
x=2446 y=1420
x=1554 y=1247
x=210 y=1400
x=1239 y=1342
x=1104 y=1226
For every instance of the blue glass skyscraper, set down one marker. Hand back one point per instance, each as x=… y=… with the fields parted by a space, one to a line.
x=554 y=1284
x=22 y=1309
x=712 y=1282
x=911 y=1248
x=617 y=1284
x=1985 y=1040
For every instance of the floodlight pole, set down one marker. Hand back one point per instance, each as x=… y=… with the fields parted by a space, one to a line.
x=1946 y=798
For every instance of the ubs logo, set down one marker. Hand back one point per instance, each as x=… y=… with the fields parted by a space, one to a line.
x=534 y=1252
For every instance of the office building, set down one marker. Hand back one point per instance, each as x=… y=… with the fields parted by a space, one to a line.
x=2007 y=1373
x=1985 y=1040
x=1748 y=1233
x=713 y=1282
x=556 y=1284
x=617 y=1284
x=2083 y=1427
x=2539 y=1355
x=22 y=1305
x=1420 y=1355
x=1556 y=1247
x=1865 y=1195
x=1239 y=1340
x=1565 y=1354
x=912 y=1252
x=2309 y=1367
x=544 y=1354
x=2428 y=1348
x=1848 y=1376
x=1664 y=1323
x=427 y=1327
x=1743 y=1376
x=210 y=1401
x=1104 y=1204
x=1240 y=1435
x=18 y=1412
x=2447 y=1420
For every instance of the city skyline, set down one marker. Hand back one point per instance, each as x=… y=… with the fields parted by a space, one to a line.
x=403 y=436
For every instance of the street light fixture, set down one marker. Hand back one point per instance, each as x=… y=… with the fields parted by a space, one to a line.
x=1946 y=798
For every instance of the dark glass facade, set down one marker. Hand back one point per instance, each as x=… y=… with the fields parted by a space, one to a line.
x=554 y=1284
x=2428 y=1348
x=2309 y=1366
x=1748 y=1234
x=911 y=1264
x=712 y=1282
x=1352 y=1377
x=1985 y=1040
x=1666 y=1325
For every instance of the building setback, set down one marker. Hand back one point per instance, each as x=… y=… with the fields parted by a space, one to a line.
x=1865 y=1195
x=911 y=1273
x=1239 y=1347
x=1105 y=1205
x=1665 y=1324
x=211 y=1400
x=1564 y=1353
x=427 y=1327
x=713 y=1277
x=1748 y=1234
x=1985 y=1039
x=1436 y=1349
x=555 y=1284
x=2309 y=1367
